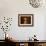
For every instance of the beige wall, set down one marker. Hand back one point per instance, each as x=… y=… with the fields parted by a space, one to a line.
x=11 y=8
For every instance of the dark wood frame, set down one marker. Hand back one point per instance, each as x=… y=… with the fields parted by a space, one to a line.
x=27 y=25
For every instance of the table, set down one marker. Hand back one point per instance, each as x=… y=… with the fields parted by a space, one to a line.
x=27 y=42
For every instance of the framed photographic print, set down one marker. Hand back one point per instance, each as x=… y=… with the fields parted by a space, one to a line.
x=25 y=19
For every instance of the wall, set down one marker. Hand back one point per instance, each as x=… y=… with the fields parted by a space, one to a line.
x=11 y=8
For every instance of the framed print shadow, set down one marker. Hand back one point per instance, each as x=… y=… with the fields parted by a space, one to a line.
x=25 y=20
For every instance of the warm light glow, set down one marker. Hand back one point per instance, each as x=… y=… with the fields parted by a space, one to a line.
x=6 y=35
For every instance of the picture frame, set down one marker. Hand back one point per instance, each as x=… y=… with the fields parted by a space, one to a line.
x=25 y=20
